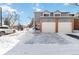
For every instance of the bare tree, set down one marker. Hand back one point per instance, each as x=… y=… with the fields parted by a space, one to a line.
x=14 y=19
x=10 y=19
x=6 y=22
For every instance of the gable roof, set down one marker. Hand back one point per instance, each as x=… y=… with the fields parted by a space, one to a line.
x=60 y=11
x=46 y=11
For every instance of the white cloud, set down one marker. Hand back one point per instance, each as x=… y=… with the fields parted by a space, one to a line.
x=66 y=3
x=37 y=4
x=8 y=9
x=37 y=7
x=22 y=12
x=9 y=4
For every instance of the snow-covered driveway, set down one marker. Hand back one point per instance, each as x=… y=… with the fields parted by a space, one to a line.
x=47 y=38
x=43 y=43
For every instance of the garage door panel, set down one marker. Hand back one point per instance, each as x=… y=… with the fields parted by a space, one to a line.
x=60 y=25
x=65 y=27
x=48 y=27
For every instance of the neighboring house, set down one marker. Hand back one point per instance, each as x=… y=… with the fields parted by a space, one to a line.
x=53 y=22
x=76 y=21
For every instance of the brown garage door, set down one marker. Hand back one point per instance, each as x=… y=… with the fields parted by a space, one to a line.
x=76 y=24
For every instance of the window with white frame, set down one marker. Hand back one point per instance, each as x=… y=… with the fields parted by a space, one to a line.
x=46 y=14
x=57 y=14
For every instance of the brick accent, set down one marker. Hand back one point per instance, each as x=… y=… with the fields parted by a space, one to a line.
x=40 y=25
x=56 y=21
x=73 y=24
x=76 y=24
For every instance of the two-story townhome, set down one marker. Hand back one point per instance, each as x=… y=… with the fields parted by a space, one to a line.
x=54 y=22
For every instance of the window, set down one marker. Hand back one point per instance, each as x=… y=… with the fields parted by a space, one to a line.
x=72 y=14
x=57 y=14
x=51 y=14
x=46 y=14
x=63 y=14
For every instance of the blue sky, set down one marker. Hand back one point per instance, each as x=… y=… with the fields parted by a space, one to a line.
x=26 y=9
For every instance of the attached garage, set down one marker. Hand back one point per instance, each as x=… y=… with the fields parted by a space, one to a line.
x=60 y=25
x=65 y=25
x=48 y=25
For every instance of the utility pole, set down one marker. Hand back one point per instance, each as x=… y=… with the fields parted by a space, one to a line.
x=0 y=16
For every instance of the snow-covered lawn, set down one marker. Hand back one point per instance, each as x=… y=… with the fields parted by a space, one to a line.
x=7 y=42
x=30 y=42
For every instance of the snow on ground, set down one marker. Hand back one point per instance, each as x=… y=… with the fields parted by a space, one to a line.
x=7 y=42
x=47 y=38
x=76 y=32
x=44 y=49
x=70 y=39
x=32 y=43
x=29 y=42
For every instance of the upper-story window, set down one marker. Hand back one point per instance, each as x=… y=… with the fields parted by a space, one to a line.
x=57 y=14
x=46 y=14
x=71 y=14
x=51 y=14
x=65 y=14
